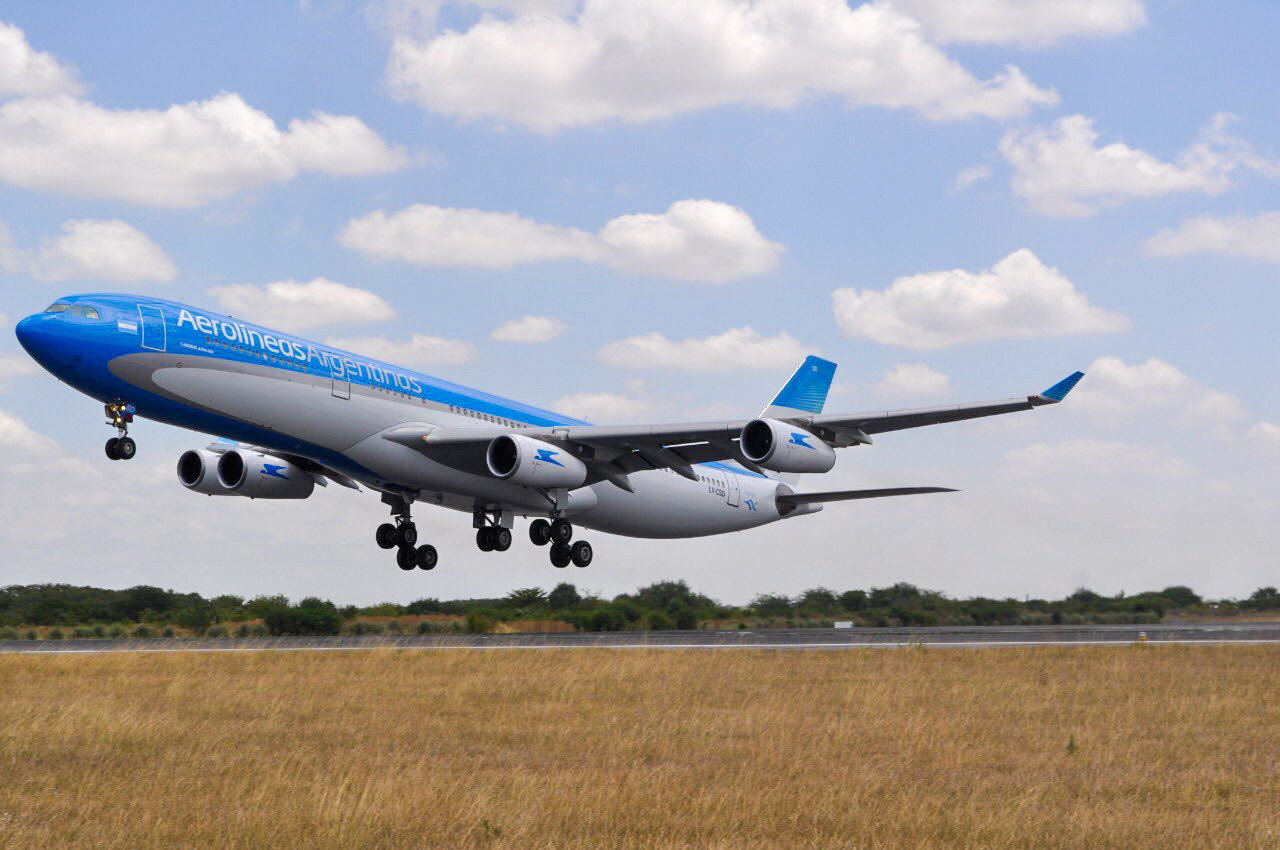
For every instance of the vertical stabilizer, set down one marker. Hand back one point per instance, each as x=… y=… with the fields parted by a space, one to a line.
x=803 y=394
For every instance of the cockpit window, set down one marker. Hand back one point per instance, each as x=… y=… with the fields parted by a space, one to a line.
x=91 y=313
x=57 y=307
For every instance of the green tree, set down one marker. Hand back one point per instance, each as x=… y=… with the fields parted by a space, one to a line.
x=854 y=600
x=526 y=597
x=771 y=605
x=563 y=596
x=258 y=607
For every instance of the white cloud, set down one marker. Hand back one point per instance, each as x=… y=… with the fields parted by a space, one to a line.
x=1089 y=458
x=1256 y=237
x=529 y=329
x=1018 y=298
x=26 y=72
x=417 y=351
x=1061 y=171
x=639 y=60
x=972 y=174
x=15 y=367
x=693 y=240
x=24 y=450
x=297 y=305
x=1266 y=433
x=609 y=408
x=1023 y=22
x=93 y=249
x=913 y=380
x=1116 y=389
x=736 y=348
x=184 y=156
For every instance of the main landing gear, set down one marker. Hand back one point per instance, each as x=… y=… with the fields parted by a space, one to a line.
x=558 y=533
x=119 y=415
x=403 y=537
x=492 y=535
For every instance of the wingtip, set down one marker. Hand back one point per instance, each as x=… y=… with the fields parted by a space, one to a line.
x=1059 y=391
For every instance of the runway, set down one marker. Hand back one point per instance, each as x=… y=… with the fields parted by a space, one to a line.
x=957 y=637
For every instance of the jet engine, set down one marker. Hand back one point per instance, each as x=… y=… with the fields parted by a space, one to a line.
x=198 y=472
x=243 y=472
x=534 y=463
x=781 y=447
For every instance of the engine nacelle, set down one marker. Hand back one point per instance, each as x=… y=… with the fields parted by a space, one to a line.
x=262 y=476
x=534 y=463
x=784 y=448
x=198 y=472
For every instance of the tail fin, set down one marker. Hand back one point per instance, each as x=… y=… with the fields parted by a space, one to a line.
x=805 y=392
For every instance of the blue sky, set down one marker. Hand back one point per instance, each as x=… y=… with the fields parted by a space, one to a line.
x=652 y=178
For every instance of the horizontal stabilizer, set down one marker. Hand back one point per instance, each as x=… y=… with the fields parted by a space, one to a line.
x=845 y=495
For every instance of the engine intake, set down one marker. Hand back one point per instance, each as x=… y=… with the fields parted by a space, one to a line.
x=198 y=472
x=780 y=447
x=534 y=463
x=262 y=476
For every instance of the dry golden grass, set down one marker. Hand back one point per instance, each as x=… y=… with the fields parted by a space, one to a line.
x=1173 y=746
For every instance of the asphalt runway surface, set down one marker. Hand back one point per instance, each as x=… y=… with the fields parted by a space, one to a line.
x=795 y=639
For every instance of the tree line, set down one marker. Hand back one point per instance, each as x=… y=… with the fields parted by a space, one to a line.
x=661 y=605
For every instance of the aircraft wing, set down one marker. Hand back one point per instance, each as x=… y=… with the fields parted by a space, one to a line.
x=846 y=495
x=613 y=451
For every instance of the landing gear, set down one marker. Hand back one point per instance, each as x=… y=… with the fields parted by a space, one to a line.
x=540 y=532
x=559 y=532
x=403 y=537
x=119 y=415
x=493 y=538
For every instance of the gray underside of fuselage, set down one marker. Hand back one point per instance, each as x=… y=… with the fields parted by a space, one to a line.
x=309 y=412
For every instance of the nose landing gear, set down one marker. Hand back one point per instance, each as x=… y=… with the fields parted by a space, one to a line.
x=403 y=537
x=119 y=415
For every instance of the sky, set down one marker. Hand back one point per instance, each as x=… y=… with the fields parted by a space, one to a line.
x=651 y=210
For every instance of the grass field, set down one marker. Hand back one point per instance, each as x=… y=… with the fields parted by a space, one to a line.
x=1139 y=746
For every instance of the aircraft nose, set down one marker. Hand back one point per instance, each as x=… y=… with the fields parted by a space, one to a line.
x=39 y=335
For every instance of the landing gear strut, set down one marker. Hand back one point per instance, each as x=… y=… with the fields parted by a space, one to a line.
x=403 y=537
x=558 y=533
x=492 y=534
x=119 y=415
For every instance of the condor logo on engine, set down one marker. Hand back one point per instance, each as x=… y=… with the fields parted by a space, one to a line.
x=546 y=455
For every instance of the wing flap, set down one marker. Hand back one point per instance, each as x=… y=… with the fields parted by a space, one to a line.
x=847 y=495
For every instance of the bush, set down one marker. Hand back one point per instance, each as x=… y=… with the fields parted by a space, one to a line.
x=309 y=617
x=99 y=631
x=82 y=633
x=31 y=634
x=395 y=628
x=8 y=634
x=606 y=619
x=479 y=623
x=243 y=630
x=54 y=634
x=658 y=621
x=215 y=632
x=168 y=632
x=563 y=596
x=686 y=619
x=142 y=632
x=116 y=632
x=363 y=627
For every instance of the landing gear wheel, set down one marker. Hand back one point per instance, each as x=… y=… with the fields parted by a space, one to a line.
x=501 y=538
x=427 y=557
x=407 y=535
x=406 y=558
x=581 y=553
x=113 y=448
x=386 y=536
x=126 y=448
x=484 y=539
x=560 y=556
x=562 y=531
x=540 y=532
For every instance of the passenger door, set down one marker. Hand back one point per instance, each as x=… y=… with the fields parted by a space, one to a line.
x=338 y=375
x=151 y=318
x=732 y=492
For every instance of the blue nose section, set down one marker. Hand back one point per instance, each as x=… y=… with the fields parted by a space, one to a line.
x=43 y=338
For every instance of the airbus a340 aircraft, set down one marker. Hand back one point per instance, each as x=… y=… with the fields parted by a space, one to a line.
x=293 y=413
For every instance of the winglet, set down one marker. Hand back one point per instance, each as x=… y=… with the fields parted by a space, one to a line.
x=1059 y=391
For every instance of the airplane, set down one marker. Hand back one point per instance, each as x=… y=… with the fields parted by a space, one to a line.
x=291 y=413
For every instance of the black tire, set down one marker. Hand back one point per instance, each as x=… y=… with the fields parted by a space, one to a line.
x=407 y=535
x=562 y=531
x=111 y=448
x=581 y=554
x=427 y=557
x=386 y=536
x=501 y=539
x=406 y=558
x=540 y=532
x=126 y=448
x=560 y=556
x=484 y=539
